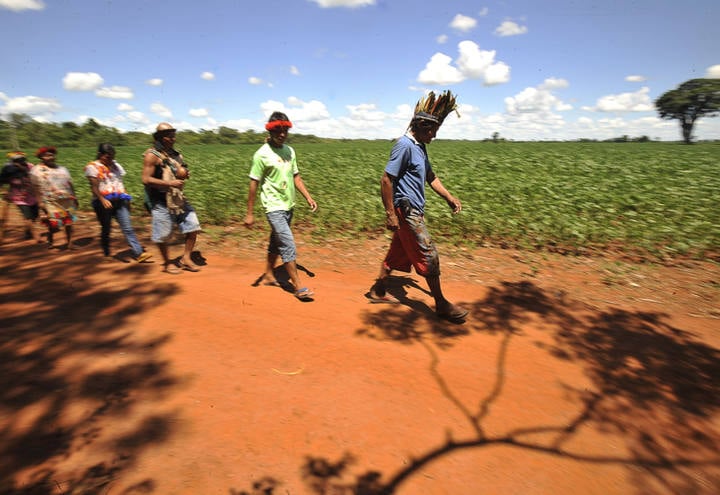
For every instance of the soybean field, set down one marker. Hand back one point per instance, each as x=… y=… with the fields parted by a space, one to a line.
x=657 y=200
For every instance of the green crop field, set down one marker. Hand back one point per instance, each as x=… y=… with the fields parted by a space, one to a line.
x=656 y=199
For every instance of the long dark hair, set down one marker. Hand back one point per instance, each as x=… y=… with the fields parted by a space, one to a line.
x=105 y=149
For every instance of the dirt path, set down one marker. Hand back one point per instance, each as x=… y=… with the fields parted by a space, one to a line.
x=570 y=376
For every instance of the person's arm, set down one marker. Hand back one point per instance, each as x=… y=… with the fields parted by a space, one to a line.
x=149 y=163
x=252 y=193
x=95 y=188
x=451 y=200
x=300 y=186
x=386 y=193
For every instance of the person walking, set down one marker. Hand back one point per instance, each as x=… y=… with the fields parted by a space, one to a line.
x=110 y=199
x=164 y=175
x=275 y=173
x=402 y=189
x=16 y=173
x=55 y=193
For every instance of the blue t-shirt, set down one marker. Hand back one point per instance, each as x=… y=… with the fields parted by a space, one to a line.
x=410 y=166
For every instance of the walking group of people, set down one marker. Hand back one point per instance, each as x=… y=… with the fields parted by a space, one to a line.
x=46 y=191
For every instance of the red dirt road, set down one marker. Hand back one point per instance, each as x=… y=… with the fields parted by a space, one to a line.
x=570 y=376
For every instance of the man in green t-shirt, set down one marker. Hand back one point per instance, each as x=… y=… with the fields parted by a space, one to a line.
x=275 y=172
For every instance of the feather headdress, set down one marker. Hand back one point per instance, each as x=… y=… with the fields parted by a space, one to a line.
x=436 y=108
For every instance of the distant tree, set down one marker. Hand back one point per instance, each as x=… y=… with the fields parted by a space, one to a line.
x=691 y=100
x=495 y=137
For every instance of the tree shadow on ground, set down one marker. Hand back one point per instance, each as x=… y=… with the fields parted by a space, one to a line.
x=67 y=368
x=654 y=389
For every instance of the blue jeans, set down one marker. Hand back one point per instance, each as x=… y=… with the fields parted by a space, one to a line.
x=282 y=241
x=121 y=211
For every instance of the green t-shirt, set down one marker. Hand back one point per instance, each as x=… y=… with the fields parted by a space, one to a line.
x=275 y=169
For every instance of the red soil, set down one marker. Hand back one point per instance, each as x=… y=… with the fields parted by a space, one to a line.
x=570 y=375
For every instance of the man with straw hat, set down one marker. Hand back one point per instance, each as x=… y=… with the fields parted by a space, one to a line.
x=402 y=189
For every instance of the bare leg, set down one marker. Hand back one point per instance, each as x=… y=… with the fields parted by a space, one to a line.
x=379 y=287
x=443 y=307
x=190 y=240
x=163 y=252
x=68 y=236
x=291 y=267
x=270 y=267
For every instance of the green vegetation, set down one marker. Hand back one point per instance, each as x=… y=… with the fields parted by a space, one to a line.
x=649 y=199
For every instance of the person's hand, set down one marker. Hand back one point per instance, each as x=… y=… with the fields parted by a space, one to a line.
x=249 y=220
x=313 y=205
x=454 y=204
x=105 y=203
x=392 y=222
x=176 y=183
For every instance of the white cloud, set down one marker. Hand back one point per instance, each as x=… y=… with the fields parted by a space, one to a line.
x=351 y=4
x=439 y=70
x=297 y=109
x=475 y=63
x=31 y=105
x=483 y=12
x=510 y=28
x=498 y=73
x=294 y=70
x=161 y=110
x=255 y=81
x=463 y=23
x=635 y=78
x=82 y=81
x=638 y=101
x=538 y=100
x=208 y=76
x=137 y=117
x=198 y=112
x=124 y=107
x=154 y=82
x=366 y=112
x=442 y=39
x=20 y=5
x=472 y=63
x=115 y=93
x=713 y=72
x=554 y=83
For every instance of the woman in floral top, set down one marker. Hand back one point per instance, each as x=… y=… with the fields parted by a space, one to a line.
x=110 y=199
x=55 y=194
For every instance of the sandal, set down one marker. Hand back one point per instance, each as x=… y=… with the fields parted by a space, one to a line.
x=304 y=294
x=187 y=267
x=385 y=298
x=143 y=257
x=453 y=314
x=171 y=268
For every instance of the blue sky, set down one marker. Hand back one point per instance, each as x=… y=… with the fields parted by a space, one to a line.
x=528 y=69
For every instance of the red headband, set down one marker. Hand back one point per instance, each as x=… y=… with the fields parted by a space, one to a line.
x=278 y=123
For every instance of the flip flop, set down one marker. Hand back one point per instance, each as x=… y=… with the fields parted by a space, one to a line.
x=143 y=257
x=272 y=283
x=304 y=294
x=453 y=314
x=386 y=298
x=171 y=268
x=186 y=267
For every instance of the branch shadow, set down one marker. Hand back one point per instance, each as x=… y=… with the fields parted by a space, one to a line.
x=654 y=387
x=68 y=371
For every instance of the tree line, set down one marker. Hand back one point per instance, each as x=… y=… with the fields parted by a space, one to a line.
x=21 y=132
x=687 y=103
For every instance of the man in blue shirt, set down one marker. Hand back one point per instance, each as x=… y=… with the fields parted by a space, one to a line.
x=402 y=188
